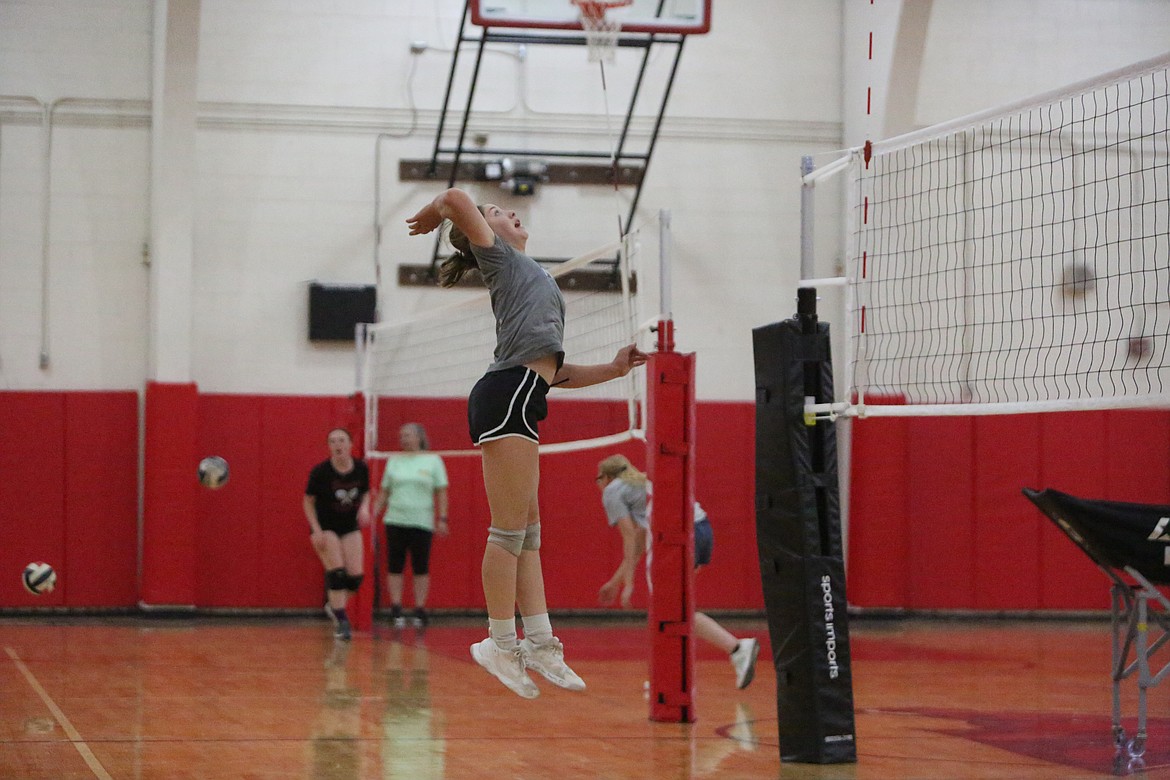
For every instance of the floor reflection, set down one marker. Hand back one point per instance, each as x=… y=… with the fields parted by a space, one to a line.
x=412 y=732
x=335 y=746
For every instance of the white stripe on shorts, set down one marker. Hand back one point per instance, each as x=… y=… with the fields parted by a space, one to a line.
x=487 y=435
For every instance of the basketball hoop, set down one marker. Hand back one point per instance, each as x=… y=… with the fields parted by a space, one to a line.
x=601 y=34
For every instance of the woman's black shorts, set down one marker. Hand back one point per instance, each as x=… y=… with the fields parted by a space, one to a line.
x=339 y=526
x=399 y=540
x=507 y=403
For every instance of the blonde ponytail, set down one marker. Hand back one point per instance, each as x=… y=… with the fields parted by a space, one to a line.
x=619 y=467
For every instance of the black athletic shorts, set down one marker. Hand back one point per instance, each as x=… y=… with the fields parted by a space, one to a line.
x=341 y=527
x=507 y=403
x=704 y=543
x=399 y=540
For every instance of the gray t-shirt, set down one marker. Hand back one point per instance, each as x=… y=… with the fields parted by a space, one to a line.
x=529 y=307
x=621 y=499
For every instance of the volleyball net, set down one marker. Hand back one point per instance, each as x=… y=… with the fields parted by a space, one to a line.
x=421 y=368
x=1013 y=261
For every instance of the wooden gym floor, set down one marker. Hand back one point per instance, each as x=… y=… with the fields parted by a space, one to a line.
x=137 y=698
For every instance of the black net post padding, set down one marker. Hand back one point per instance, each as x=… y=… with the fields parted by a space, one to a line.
x=798 y=532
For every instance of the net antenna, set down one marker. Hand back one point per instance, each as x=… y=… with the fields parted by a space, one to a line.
x=1012 y=261
x=601 y=31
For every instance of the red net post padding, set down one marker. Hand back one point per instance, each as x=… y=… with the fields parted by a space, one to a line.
x=671 y=463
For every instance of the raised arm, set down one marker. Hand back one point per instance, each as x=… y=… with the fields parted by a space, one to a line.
x=456 y=205
x=627 y=358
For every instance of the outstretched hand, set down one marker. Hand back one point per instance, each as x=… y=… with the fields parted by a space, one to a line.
x=628 y=358
x=426 y=220
x=608 y=593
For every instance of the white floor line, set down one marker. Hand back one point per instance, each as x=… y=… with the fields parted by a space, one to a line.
x=72 y=733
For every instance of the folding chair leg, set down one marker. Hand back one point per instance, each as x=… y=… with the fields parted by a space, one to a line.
x=1137 y=747
x=1115 y=619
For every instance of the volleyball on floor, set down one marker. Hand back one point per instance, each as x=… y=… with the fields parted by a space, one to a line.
x=213 y=472
x=39 y=578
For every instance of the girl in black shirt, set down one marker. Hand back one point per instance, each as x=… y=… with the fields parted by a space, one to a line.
x=336 y=503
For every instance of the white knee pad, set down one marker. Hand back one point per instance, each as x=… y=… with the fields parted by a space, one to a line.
x=532 y=536
x=512 y=541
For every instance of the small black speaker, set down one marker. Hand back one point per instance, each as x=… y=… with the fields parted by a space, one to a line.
x=336 y=309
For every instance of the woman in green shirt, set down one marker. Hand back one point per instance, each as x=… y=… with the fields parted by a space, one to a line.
x=414 y=497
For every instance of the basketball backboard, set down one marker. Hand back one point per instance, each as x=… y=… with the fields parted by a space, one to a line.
x=684 y=17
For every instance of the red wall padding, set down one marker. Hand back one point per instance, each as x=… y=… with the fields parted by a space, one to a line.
x=253 y=548
x=939 y=460
x=725 y=485
x=101 y=499
x=32 y=492
x=579 y=550
x=879 y=526
x=937 y=520
x=1006 y=532
x=170 y=522
x=1073 y=454
x=70 y=495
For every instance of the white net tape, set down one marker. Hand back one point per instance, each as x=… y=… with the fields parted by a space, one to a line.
x=1016 y=261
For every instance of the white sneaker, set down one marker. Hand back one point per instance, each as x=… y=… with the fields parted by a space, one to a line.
x=549 y=660
x=506 y=665
x=743 y=660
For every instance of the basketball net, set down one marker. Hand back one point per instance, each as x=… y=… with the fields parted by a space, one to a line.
x=601 y=33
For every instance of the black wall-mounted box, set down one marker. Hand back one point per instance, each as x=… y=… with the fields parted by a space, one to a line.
x=336 y=309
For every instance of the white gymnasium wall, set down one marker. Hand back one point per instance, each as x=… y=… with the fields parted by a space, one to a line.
x=1024 y=48
x=293 y=95
x=287 y=196
x=975 y=56
x=88 y=66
